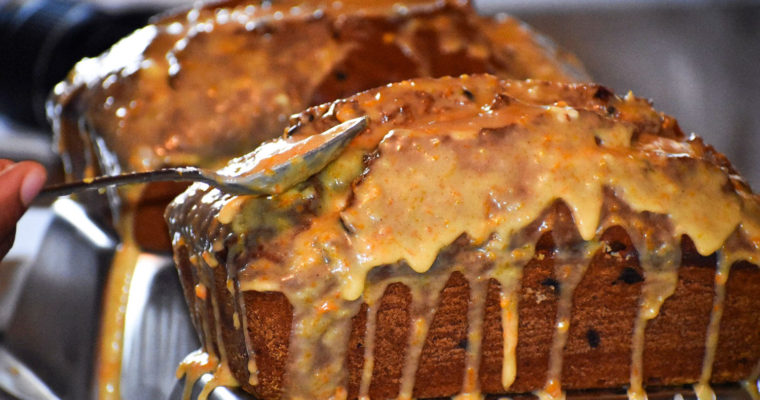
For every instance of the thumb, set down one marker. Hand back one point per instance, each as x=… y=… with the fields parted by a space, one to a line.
x=19 y=184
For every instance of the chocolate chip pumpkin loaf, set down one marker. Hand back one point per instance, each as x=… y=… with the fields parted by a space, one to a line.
x=480 y=236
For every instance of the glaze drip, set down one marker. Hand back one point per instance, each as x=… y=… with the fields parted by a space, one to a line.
x=372 y=299
x=425 y=295
x=111 y=344
x=702 y=387
x=155 y=98
x=659 y=258
x=570 y=266
x=475 y=314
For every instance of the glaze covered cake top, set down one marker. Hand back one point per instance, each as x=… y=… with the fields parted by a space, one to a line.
x=480 y=156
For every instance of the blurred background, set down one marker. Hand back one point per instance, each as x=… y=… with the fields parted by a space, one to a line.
x=698 y=61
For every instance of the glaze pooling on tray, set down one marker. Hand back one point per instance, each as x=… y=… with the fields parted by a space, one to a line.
x=464 y=175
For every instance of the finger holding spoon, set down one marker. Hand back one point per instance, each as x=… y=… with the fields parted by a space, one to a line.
x=19 y=184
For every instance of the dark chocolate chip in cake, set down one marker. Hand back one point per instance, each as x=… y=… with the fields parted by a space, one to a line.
x=593 y=338
x=630 y=276
x=552 y=283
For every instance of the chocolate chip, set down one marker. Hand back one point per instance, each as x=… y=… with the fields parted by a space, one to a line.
x=597 y=140
x=615 y=247
x=630 y=276
x=468 y=94
x=611 y=110
x=593 y=338
x=293 y=129
x=265 y=28
x=171 y=80
x=552 y=283
x=602 y=93
x=346 y=227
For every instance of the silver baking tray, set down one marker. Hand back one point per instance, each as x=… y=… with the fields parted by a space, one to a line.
x=47 y=347
x=52 y=333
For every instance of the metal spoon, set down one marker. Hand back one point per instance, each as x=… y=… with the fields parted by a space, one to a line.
x=272 y=168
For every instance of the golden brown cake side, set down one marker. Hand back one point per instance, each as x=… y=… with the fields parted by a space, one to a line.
x=481 y=236
x=598 y=354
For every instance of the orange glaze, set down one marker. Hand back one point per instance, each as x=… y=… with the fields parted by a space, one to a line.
x=482 y=159
x=115 y=295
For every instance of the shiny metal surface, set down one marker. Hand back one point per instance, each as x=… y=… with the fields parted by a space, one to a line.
x=54 y=326
x=19 y=381
x=51 y=336
x=727 y=392
x=158 y=332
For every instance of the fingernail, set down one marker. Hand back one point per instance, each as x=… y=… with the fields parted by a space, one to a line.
x=31 y=185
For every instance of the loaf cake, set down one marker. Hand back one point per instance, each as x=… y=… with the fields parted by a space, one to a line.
x=480 y=236
x=204 y=85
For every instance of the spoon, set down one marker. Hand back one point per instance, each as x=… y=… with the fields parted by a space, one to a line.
x=272 y=168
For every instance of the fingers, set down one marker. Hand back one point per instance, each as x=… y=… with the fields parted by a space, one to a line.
x=34 y=178
x=19 y=184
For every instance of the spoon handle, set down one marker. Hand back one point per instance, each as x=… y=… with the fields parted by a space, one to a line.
x=165 y=174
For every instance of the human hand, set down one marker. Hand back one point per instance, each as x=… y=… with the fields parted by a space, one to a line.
x=19 y=184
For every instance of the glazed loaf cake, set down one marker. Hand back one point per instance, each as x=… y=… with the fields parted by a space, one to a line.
x=481 y=236
x=204 y=85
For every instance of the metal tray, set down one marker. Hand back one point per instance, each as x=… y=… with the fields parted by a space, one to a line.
x=52 y=334
x=729 y=392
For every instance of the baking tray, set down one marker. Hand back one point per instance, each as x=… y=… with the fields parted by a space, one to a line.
x=53 y=331
x=727 y=392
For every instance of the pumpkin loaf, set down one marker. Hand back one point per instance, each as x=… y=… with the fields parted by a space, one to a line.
x=480 y=236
